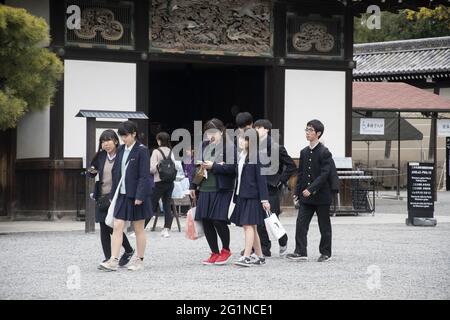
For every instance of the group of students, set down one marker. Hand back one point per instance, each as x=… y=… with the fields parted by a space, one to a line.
x=215 y=185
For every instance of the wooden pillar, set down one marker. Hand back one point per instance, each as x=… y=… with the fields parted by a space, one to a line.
x=90 y=151
x=142 y=97
x=398 y=156
x=274 y=98
x=7 y=171
x=434 y=137
x=142 y=67
x=348 y=55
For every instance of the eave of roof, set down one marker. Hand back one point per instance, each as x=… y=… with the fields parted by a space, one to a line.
x=419 y=58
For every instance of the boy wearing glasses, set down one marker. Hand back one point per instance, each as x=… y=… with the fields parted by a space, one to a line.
x=313 y=193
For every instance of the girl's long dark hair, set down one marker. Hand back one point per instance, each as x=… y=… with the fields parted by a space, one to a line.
x=106 y=135
x=246 y=135
x=217 y=124
x=128 y=127
x=164 y=138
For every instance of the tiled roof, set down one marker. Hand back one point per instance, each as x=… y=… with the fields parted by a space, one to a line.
x=396 y=96
x=360 y=6
x=111 y=114
x=407 y=59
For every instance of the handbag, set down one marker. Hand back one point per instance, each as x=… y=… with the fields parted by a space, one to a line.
x=274 y=228
x=199 y=176
x=103 y=203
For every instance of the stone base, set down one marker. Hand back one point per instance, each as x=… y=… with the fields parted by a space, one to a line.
x=45 y=215
x=421 y=222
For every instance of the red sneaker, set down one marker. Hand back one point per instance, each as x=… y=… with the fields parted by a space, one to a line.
x=224 y=257
x=212 y=259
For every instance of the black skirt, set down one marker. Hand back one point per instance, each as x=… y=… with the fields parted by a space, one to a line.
x=213 y=205
x=125 y=209
x=248 y=212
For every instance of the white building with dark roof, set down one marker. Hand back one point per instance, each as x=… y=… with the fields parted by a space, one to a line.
x=423 y=63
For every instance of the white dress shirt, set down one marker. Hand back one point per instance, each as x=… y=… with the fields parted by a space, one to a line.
x=126 y=153
x=241 y=163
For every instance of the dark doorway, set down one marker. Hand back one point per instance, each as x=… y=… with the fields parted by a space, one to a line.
x=181 y=93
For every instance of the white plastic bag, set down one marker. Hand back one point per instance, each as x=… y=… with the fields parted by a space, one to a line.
x=194 y=229
x=274 y=228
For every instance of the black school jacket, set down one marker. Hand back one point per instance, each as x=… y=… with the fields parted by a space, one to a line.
x=314 y=169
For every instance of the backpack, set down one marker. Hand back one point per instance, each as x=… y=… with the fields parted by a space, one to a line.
x=166 y=168
x=333 y=178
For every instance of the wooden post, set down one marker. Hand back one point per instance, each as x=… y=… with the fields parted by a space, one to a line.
x=398 y=156
x=434 y=137
x=90 y=151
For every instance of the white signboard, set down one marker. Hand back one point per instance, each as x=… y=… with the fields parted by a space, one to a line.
x=443 y=127
x=343 y=162
x=371 y=126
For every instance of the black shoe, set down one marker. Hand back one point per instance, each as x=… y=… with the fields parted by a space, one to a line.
x=297 y=257
x=125 y=258
x=323 y=258
x=267 y=253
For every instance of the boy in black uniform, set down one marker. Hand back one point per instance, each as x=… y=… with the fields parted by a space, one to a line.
x=314 y=194
x=286 y=168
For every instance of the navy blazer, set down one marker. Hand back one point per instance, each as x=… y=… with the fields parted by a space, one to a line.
x=99 y=165
x=253 y=185
x=138 y=181
x=225 y=173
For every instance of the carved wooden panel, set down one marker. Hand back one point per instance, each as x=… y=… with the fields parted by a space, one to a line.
x=314 y=36
x=104 y=25
x=241 y=27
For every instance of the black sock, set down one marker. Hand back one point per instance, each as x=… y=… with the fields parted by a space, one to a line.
x=224 y=233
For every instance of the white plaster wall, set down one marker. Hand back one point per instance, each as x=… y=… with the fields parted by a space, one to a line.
x=311 y=94
x=97 y=86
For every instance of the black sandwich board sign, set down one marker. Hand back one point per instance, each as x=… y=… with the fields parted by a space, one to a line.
x=421 y=194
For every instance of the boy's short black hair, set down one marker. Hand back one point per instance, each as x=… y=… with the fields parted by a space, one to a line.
x=264 y=123
x=244 y=119
x=317 y=125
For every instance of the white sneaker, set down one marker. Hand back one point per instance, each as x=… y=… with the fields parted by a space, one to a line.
x=136 y=265
x=283 y=251
x=258 y=261
x=244 y=262
x=132 y=235
x=165 y=233
x=110 y=265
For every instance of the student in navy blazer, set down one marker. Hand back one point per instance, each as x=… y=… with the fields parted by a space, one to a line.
x=133 y=201
x=251 y=197
x=102 y=165
x=216 y=190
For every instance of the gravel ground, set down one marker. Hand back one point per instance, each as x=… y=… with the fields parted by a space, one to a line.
x=409 y=262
